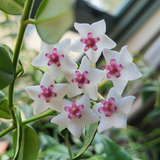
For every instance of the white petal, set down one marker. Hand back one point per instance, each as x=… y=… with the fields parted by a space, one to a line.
x=85 y=65
x=109 y=54
x=46 y=48
x=46 y=80
x=91 y=89
x=89 y=116
x=61 y=89
x=126 y=103
x=55 y=104
x=96 y=107
x=63 y=47
x=55 y=71
x=98 y=28
x=96 y=76
x=119 y=120
x=61 y=119
x=77 y=46
x=69 y=75
x=93 y=55
x=105 y=123
x=33 y=91
x=83 y=29
x=85 y=100
x=119 y=84
x=68 y=64
x=74 y=90
x=130 y=72
x=39 y=106
x=113 y=93
x=125 y=56
x=76 y=127
x=40 y=60
x=106 y=42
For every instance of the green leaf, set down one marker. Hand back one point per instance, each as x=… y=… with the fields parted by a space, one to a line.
x=20 y=69
x=29 y=145
x=113 y=151
x=53 y=19
x=88 y=139
x=17 y=134
x=4 y=111
x=63 y=131
x=6 y=68
x=14 y=7
x=57 y=152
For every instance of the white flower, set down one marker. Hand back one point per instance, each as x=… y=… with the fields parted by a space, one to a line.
x=84 y=80
x=47 y=94
x=56 y=58
x=93 y=39
x=120 y=69
x=75 y=116
x=113 y=111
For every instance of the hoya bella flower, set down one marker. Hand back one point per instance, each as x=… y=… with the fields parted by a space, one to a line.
x=84 y=80
x=75 y=115
x=93 y=39
x=47 y=94
x=113 y=111
x=56 y=58
x=120 y=68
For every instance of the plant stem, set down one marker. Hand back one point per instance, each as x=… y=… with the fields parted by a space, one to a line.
x=100 y=96
x=69 y=146
x=94 y=65
x=45 y=114
x=102 y=83
x=25 y=16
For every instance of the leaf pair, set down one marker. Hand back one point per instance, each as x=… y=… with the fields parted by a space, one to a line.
x=25 y=140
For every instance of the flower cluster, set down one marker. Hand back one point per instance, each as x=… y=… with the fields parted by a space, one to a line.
x=83 y=81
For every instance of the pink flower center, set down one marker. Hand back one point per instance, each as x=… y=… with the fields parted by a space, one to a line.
x=47 y=93
x=113 y=68
x=74 y=110
x=81 y=79
x=90 y=42
x=108 y=107
x=54 y=58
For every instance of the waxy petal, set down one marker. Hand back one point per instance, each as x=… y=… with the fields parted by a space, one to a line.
x=39 y=106
x=46 y=80
x=98 y=28
x=33 y=91
x=40 y=60
x=63 y=47
x=46 y=48
x=82 y=28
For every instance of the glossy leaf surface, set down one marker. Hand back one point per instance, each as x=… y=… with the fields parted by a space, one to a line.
x=53 y=19
x=29 y=145
x=6 y=68
x=14 y=7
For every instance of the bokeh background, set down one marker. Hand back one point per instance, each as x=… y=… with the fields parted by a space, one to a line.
x=135 y=23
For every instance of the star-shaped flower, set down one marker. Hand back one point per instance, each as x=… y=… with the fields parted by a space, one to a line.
x=113 y=111
x=75 y=115
x=47 y=94
x=84 y=80
x=120 y=68
x=93 y=39
x=56 y=58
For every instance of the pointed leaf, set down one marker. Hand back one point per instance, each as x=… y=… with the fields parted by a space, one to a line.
x=30 y=144
x=88 y=139
x=17 y=143
x=14 y=7
x=20 y=69
x=113 y=151
x=6 y=68
x=4 y=111
x=53 y=19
